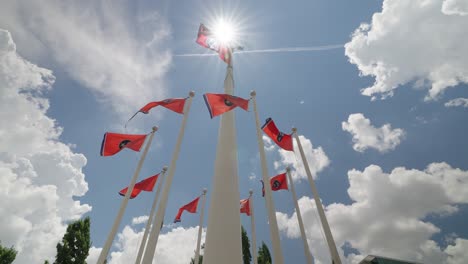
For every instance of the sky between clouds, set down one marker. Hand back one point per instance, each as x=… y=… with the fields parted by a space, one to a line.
x=385 y=139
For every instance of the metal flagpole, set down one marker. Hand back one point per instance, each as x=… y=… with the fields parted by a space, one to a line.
x=200 y=227
x=158 y=220
x=123 y=205
x=151 y=216
x=326 y=228
x=252 y=222
x=299 y=218
x=223 y=240
x=274 y=233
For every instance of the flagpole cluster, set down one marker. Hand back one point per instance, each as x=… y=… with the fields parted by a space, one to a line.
x=123 y=205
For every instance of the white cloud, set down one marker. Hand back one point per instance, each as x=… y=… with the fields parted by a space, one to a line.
x=109 y=48
x=388 y=214
x=269 y=145
x=252 y=176
x=463 y=102
x=140 y=220
x=365 y=135
x=412 y=41
x=455 y=7
x=39 y=175
x=174 y=247
x=316 y=158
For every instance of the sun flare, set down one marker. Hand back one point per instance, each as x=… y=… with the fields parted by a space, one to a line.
x=225 y=32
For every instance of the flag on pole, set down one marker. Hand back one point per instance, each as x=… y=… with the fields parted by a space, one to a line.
x=174 y=104
x=190 y=207
x=245 y=206
x=219 y=104
x=112 y=143
x=144 y=185
x=284 y=141
x=277 y=182
x=205 y=38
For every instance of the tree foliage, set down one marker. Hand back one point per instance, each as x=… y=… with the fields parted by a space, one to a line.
x=7 y=255
x=264 y=256
x=246 y=256
x=200 y=260
x=75 y=244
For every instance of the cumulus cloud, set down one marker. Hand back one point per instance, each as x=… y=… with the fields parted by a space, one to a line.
x=316 y=158
x=365 y=135
x=109 y=48
x=140 y=220
x=455 y=7
x=129 y=240
x=39 y=175
x=388 y=214
x=463 y=102
x=409 y=41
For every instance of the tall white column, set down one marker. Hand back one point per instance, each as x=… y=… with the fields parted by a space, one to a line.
x=144 y=240
x=274 y=233
x=326 y=228
x=158 y=220
x=223 y=240
x=252 y=223
x=200 y=228
x=299 y=218
x=123 y=205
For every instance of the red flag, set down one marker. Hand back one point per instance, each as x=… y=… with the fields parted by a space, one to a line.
x=190 y=207
x=112 y=143
x=245 y=206
x=205 y=38
x=219 y=104
x=279 y=182
x=174 y=104
x=284 y=141
x=144 y=185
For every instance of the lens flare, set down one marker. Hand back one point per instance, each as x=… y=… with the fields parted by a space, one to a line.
x=224 y=32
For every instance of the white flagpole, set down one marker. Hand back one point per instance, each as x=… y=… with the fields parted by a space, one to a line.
x=252 y=222
x=299 y=218
x=151 y=216
x=158 y=220
x=326 y=228
x=200 y=228
x=223 y=240
x=274 y=233
x=123 y=204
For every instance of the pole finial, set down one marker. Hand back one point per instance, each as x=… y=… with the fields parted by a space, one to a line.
x=294 y=129
x=251 y=192
x=205 y=190
x=191 y=93
x=155 y=128
x=253 y=93
x=164 y=169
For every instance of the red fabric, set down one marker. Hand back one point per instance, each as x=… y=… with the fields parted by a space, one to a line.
x=144 y=185
x=112 y=143
x=245 y=206
x=284 y=141
x=279 y=182
x=174 y=104
x=190 y=207
x=219 y=104
x=205 y=38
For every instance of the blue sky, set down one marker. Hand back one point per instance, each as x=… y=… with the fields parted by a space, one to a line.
x=109 y=59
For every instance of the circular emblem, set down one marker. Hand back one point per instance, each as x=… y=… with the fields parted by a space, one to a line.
x=167 y=101
x=123 y=143
x=280 y=136
x=276 y=184
x=227 y=102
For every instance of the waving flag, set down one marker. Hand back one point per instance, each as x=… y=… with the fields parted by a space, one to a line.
x=174 y=104
x=245 y=206
x=284 y=141
x=144 y=185
x=279 y=182
x=219 y=104
x=190 y=207
x=205 y=38
x=112 y=143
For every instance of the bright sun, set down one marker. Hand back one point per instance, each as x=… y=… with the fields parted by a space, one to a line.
x=224 y=32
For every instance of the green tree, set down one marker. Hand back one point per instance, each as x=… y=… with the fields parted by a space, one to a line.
x=75 y=244
x=200 y=260
x=264 y=256
x=246 y=256
x=7 y=255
